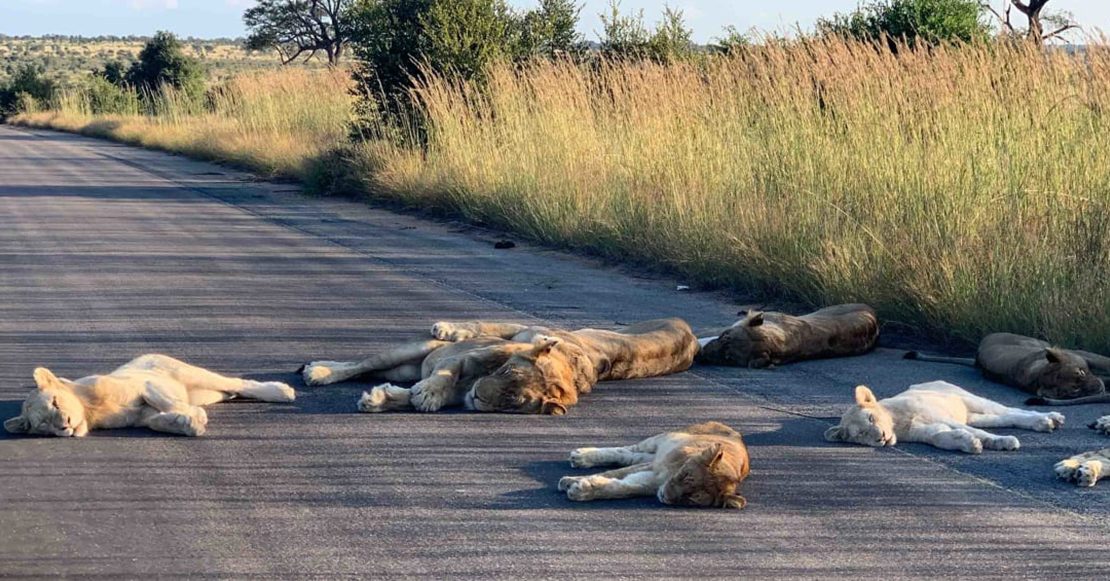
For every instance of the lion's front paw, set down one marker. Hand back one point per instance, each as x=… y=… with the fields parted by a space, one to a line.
x=321 y=372
x=566 y=482
x=445 y=331
x=1088 y=473
x=1102 y=425
x=428 y=399
x=1049 y=422
x=1065 y=469
x=373 y=401
x=279 y=392
x=192 y=425
x=581 y=490
x=1005 y=443
x=582 y=458
x=971 y=445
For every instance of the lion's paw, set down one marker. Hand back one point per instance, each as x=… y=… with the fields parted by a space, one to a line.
x=582 y=458
x=373 y=401
x=1048 y=422
x=445 y=331
x=972 y=445
x=566 y=482
x=321 y=372
x=1005 y=443
x=278 y=392
x=1088 y=473
x=580 y=490
x=428 y=400
x=1065 y=469
x=1102 y=425
x=192 y=425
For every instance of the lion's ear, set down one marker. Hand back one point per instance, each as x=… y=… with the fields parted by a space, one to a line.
x=864 y=396
x=553 y=408
x=714 y=455
x=755 y=319
x=17 y=425
x=834 y=434
x=1053 y=355
x=45 y=379
x=543 y=345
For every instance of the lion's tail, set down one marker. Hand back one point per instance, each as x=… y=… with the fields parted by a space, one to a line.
x=1100 y=398
x=938 y=359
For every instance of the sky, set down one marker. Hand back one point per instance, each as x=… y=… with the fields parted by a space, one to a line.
x=223 y=18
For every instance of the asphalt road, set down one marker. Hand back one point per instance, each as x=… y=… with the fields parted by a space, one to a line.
x=107 y=252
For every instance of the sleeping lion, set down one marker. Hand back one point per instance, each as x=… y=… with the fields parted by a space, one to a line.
x=700 y=465
x=765 y=339
x=939 y=414
x=152 y=391
x=1056 y=376
x=1088 y=468
x=504 y=367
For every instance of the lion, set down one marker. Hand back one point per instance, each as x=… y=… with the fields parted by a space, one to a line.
x=152 y=391
x=505 y=367
x=937 y=413
x=701 y=465
x=1088 y=468
x=765 y=339
x=1056 y=376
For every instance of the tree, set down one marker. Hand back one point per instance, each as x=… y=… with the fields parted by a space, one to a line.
x=551 y=30
x=299 y=27
x=928 y=21
x=162 y=61
x=1061 y=22
x=27 y=86
x=627 y=37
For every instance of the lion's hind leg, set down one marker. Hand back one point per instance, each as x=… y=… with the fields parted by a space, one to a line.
x=1085 y=469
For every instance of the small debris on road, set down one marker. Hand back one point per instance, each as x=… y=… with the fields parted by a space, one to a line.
x=504 y=244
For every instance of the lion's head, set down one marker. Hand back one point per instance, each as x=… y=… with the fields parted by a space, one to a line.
x=545 y=379
x=703 y=480
x=50 y=410
x=1066 y=375
x=747 y=343
x=868 y=423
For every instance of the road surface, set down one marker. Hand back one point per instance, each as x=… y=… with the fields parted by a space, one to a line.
x=107 y=252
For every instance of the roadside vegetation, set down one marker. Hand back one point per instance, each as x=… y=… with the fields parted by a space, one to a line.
x=960 y=187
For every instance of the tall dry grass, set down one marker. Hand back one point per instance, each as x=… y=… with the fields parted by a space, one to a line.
x=966 y=189
x=276 y=123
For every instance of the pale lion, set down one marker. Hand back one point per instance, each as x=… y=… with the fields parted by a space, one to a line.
x=502 y=367
x=939 y=414
x=1088 y=468
x=1057 y=376
x=700 y=465
x=152 y=391
x=765 y=339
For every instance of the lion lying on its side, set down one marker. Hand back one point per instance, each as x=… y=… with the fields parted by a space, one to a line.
x=502 y=367
x=700 y=465
x=939 y=414
x=764 y=339
x=1056 y=376
x=153 y=391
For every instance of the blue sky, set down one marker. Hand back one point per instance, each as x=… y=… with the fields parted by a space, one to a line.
x=212 y=18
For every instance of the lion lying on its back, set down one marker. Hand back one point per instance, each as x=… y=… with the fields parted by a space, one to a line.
x=939 y=414
x=152 y=391
x=1057 y=376
x=764 y=339
x=1088 y=468
x=502 y=367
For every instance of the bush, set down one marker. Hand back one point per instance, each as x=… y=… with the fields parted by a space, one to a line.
x=28 y=88
x=928 y=21
x=627 y=37
x=163 y=62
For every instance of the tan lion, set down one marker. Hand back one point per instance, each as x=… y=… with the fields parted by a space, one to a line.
x=504 y=367
x=700 y=465
x=937 y=413
x=152 y=391
x=1056 y=376
x=1088 y=468
x=764 y=339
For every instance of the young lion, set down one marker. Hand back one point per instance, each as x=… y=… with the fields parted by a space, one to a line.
x=764 y=339
x=939 y=414
x=1057 y=376
x=153 y=391
x=1088 y=468
x=700 y=465
x=503 y=367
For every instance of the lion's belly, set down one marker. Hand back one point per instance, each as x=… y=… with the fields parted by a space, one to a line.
x=932 y=407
